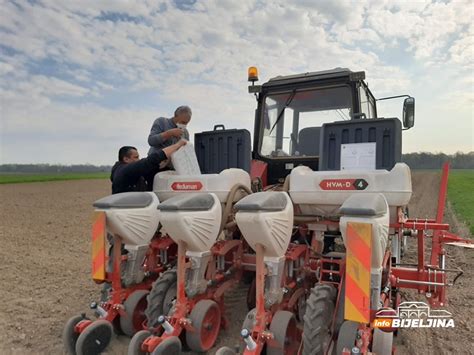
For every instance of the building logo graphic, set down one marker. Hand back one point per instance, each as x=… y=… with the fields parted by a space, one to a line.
x=412 y=315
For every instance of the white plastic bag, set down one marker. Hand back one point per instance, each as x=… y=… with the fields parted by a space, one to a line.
x=185 y=161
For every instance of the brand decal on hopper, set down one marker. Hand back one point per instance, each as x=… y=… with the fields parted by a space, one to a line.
x=187 y=186
x=343 y=184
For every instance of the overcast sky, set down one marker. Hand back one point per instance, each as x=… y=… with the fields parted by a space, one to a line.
x=81 y=78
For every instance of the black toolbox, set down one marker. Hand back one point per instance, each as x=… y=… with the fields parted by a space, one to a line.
x=222 y=148
x=385 y=132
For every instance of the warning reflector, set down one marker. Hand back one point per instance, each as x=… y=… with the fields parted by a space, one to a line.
x=358 y=259
x=98 y=247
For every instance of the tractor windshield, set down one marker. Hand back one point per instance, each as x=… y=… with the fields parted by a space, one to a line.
x=292 y=120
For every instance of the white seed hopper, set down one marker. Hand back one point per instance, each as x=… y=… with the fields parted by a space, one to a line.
x=266 y=218
x=194 y=219
x=168 y=184
x=132 y=216
x=323 y=192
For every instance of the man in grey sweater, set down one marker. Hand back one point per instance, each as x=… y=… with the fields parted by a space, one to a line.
x=168 y=131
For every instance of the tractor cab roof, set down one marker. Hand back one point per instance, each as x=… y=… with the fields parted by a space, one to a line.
x=336 y=74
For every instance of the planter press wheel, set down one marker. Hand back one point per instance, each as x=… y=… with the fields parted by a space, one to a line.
x=249 y=324
x=225 y=350
x=69 y=335
x=347 y=336
x=250 y=320
x=286 y=339
x=95 y=338
x=206 y=320
x=382 y=342
x=135 y=346
x=169 y=346
x=134 y=306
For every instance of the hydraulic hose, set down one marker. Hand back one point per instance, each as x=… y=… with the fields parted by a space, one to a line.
x=228 y=205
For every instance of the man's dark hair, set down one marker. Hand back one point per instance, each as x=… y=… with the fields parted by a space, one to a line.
x=125 y=151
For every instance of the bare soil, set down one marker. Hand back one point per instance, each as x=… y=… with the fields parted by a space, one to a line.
x=45 y=270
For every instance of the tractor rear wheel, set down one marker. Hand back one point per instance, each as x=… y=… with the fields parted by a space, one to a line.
x=156 y=298
x=318 y=318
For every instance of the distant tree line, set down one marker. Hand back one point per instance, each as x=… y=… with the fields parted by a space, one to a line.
x=435 y=161
x=414 y=160
x=47 y=168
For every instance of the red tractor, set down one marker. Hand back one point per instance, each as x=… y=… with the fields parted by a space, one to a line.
x=316 y=213
x=332 y=183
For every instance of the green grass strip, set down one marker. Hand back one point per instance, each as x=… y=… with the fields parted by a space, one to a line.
x=461 y=195
x=24 y=178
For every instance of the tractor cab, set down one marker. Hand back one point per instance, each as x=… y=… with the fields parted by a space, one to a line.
x=292 y=111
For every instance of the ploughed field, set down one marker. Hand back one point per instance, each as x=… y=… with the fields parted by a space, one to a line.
x=45 y=270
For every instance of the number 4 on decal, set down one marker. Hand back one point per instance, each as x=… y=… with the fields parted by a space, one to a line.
x=360 y=184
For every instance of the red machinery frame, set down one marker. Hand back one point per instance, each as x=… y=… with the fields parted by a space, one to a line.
x=259 y=333
x=428 y=276
x=184 y=305
x=153 y=265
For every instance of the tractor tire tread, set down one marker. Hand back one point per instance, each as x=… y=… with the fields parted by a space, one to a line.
x=317 y=318
x=155 y=298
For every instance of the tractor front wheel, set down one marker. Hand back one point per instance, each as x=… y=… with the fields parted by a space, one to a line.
x=317 y=319
x=158 y=296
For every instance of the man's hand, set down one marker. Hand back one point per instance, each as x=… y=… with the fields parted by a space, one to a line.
x=173 y=148
x=182 y=142
x=173 y=133
x=164 y=163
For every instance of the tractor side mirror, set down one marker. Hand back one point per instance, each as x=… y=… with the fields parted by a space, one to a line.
x=409 y=112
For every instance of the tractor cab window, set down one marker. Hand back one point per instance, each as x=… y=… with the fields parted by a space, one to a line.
x=367 y=102
x=292 y=120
